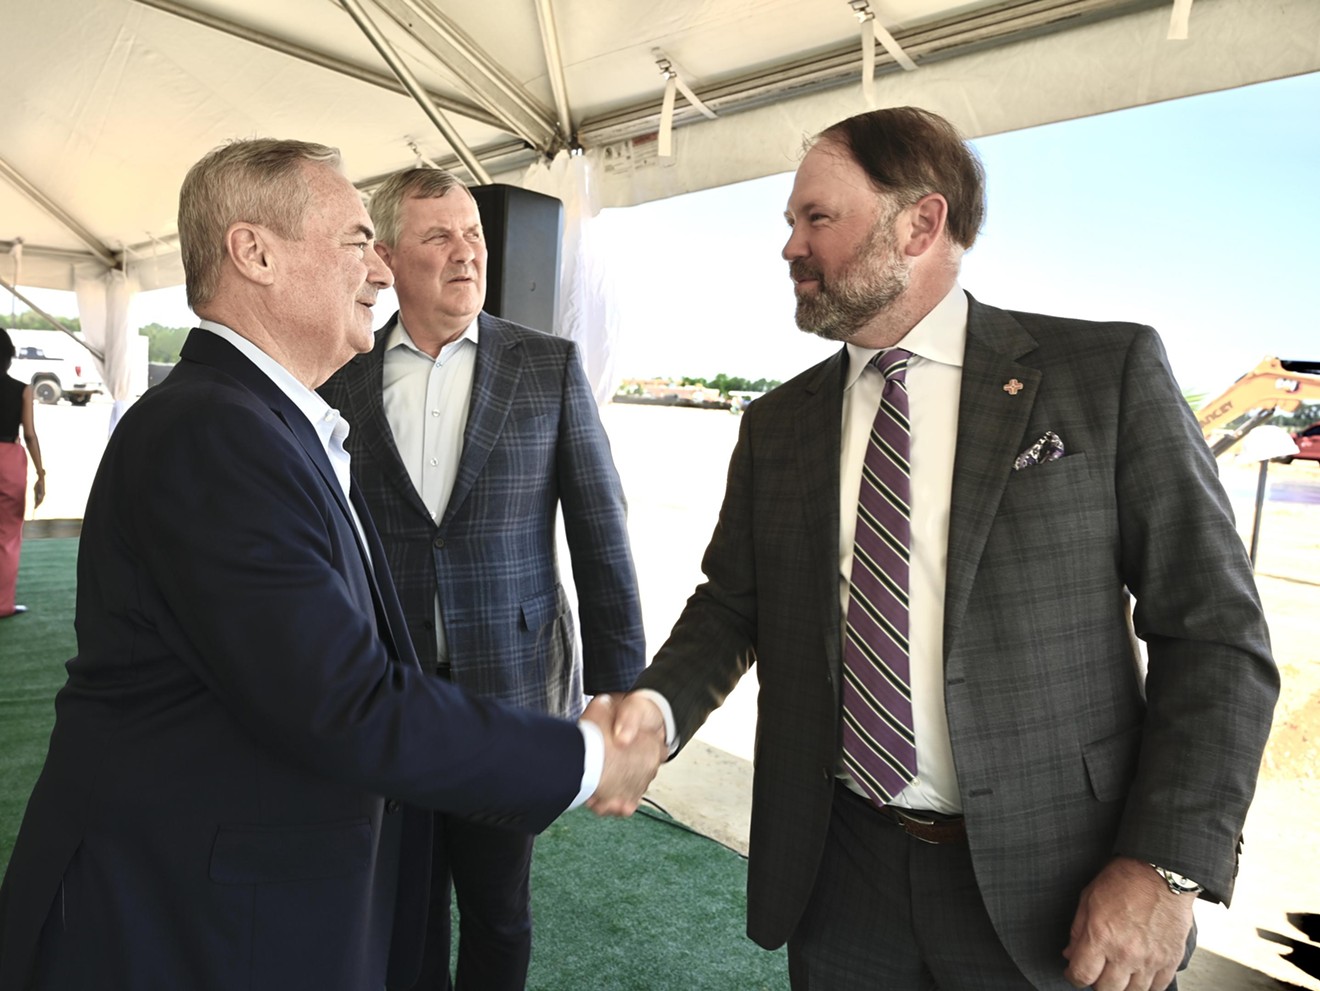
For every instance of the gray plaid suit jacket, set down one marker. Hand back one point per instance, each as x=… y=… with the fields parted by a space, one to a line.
x=533 y=444
x=1064 y=756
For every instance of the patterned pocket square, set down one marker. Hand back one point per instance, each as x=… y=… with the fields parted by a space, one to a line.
x=1048 y=448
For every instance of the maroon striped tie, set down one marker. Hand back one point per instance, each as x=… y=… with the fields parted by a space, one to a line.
x=879 y=749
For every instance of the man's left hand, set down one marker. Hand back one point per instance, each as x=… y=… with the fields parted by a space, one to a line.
x=1130 y=931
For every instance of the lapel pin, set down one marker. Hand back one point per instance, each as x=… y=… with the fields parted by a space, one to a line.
x=1013 y=387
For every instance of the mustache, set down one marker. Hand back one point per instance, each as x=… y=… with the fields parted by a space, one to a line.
x=799 y=270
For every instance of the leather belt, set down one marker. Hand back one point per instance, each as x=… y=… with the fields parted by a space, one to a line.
x=929 y=827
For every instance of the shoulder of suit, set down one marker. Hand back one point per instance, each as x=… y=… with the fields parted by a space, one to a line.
x=506 y=330
x=1045 y=324
x=813 y=379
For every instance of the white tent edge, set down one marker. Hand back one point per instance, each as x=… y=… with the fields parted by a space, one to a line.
x=1110 y=65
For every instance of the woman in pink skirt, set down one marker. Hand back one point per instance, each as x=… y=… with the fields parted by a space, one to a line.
x=15 y=411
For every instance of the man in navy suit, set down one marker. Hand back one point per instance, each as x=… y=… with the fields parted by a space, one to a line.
x=470 y=434
x=1064 y=808
x=234 y=788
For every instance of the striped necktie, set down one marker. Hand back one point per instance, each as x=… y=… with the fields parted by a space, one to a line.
x=879 y=748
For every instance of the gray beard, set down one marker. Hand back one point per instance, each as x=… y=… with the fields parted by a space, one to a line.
x=870 y=285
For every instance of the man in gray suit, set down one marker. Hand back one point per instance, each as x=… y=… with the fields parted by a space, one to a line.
x=1045 y=812
x=468 y=435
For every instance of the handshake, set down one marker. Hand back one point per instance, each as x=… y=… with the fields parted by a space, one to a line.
x=634 y=732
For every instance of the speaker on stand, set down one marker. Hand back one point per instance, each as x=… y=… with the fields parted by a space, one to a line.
x=523 y=233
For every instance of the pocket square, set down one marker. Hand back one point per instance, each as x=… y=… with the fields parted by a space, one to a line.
x=1048 y=448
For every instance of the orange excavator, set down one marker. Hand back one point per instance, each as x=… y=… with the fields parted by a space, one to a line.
x=1274 y=384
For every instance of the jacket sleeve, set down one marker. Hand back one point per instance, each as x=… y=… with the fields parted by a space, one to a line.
x=596 y=527
x=1211 y=681
x=712 y=645
x=255 y=575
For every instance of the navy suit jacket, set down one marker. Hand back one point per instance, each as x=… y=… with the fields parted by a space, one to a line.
x=245 y=732
x=1065 y=755
x=533 y=445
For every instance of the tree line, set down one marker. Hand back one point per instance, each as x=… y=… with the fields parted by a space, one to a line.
x=163 y=343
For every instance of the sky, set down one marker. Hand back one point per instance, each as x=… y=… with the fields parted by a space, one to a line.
x=1197 y=216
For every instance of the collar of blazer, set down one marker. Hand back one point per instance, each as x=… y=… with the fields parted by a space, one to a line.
x=495 y=378
x=215 y=352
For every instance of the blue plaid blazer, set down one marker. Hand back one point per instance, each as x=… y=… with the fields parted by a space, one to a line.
x=533 y=445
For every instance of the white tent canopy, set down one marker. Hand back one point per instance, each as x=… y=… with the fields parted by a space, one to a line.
x=108 y=102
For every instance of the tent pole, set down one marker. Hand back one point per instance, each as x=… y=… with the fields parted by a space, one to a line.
x=415 y=90
x=53 y=321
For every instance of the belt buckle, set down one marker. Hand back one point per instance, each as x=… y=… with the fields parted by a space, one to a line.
x=907 y=819
x=907 y=816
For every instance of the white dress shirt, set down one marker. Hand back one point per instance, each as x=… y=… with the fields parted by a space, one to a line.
x=934 y=376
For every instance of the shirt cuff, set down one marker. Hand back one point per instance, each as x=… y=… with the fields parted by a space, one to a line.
x=593 y=761
x=667 y=711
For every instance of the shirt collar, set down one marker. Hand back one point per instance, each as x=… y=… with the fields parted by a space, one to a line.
x=941 y=335
x=399 y=337
x=318 y=412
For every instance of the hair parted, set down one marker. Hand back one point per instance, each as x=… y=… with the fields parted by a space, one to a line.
x=909 y=153
x=260 y=181
x=420 y=184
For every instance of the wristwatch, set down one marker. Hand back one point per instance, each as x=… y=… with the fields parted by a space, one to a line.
x=1177 y=883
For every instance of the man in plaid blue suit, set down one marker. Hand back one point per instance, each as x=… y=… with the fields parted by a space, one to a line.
x=469 y=434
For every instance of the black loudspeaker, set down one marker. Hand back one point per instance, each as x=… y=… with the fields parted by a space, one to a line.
x=523 y=234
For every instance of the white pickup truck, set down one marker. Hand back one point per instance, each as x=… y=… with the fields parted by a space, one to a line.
x=54 y=375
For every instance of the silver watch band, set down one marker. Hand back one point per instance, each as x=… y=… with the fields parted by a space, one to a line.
x=1179 y=884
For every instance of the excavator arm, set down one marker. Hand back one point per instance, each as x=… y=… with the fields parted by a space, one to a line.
x=1274 y=384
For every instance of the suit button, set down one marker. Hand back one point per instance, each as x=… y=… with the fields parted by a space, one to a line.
x=439 y=541
x=391 y=806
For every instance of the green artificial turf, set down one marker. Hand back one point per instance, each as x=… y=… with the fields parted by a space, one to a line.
x=639 y=904
x=642 y=904
x=33 y=649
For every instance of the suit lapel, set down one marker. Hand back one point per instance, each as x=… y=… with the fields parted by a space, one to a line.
x=366 y=392
x=494 y=384
x=818 y=430
x=385 y=622
x=207 y=348
x=991 y=424
x=210 y=349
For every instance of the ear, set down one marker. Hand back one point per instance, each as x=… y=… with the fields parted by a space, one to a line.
x=927 y=217
x=249 y=249
x=384 y=252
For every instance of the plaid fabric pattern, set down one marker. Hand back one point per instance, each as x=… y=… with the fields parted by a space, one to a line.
x=533 y=447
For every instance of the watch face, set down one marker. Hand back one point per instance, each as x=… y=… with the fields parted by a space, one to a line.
x=1177 y=883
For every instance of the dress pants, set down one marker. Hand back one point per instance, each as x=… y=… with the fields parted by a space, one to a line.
x=489 y=870
x=13 y=504
x=892 y=913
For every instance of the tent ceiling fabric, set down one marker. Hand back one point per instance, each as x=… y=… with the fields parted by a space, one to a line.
x=107 y=104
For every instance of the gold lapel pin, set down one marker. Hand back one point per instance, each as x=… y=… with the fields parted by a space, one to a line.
x=1013 y=387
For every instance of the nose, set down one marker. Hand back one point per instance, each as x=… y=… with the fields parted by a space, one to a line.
x=796 y=245
x=463 y=251
x=378 y=273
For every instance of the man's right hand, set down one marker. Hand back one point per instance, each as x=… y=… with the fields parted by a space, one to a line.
x=630 y=762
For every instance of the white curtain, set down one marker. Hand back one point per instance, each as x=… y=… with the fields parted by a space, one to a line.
x=586 y=311
x=103 y=300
